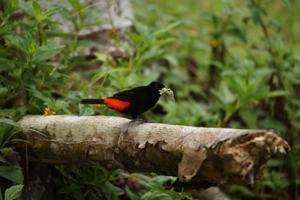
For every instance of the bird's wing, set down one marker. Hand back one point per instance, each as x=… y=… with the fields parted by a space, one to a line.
x=128 y=95
x=122 y=98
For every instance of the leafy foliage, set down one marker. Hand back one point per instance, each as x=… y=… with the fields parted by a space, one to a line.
x=99 y=183
x=238 y=66
x=38 y=75
x=13 y=192
x=9 y=168
x=230 y=63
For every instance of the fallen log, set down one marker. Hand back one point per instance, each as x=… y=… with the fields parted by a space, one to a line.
x=196 y=155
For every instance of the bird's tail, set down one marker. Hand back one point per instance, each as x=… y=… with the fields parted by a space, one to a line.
x=92 y=101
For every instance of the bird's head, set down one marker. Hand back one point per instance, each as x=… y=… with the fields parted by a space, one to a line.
x=156 y=86
x=162 y=90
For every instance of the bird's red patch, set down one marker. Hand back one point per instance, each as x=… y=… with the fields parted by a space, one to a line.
x=116 y=104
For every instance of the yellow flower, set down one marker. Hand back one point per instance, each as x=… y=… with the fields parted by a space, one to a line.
x=48 y=111
x=113 y=34
x=215 y=42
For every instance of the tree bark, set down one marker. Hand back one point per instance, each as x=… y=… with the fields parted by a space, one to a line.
x=197 y=155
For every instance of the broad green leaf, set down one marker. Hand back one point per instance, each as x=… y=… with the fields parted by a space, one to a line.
x=12 y=173
x=14 y=192
x=46 y=51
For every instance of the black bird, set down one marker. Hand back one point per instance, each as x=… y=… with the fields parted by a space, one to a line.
x=133 y=101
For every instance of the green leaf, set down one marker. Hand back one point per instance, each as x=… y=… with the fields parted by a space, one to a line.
x=12 y=173
x=249 y=117
x=37 y=12
x=163 y=31
x=238 y=33
x=34 y=92
x=275 y=180
x=46 y=51
x=278 y=93
x=9 y=122
x=100 y=175
x=160 y=180
x=142 y=29
x=111 y=192
x=25 y=44
x=242 y=190
x=11 y=7
x=54 y=10
x=6 y=150
x=13 y=192
x=156 y=195
x=136 y=38
x=76 y=5
x=131 y=195
x=224 y=94
x=163 y=42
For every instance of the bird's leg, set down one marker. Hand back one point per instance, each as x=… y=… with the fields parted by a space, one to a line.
x=135 y=121
x=138 y=120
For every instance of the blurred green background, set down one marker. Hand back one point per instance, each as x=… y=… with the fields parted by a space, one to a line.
x=230 y=63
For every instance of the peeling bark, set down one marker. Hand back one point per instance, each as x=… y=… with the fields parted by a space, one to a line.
x=196 y=155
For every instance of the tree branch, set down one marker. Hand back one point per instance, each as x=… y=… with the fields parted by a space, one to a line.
x=195 y=155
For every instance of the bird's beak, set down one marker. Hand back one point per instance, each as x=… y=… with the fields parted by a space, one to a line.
x=168 y=92
x=163 y=91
